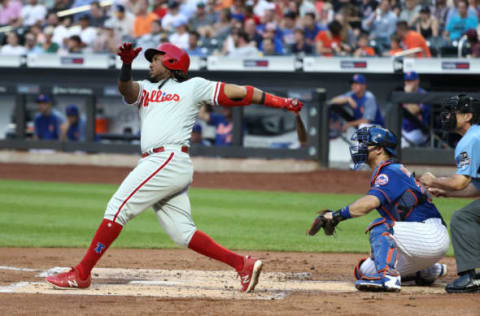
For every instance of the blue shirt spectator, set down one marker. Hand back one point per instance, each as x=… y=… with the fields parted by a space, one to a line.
x=224 y=129
x=47 y=122
x=460 y=23
x=311 y=28
x=381 y=23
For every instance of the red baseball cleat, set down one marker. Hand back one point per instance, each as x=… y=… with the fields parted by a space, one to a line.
x=250 y=273
x=70 y=279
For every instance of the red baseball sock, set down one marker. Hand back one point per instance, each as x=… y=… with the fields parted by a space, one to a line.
x=106 y=233
x=205 y=245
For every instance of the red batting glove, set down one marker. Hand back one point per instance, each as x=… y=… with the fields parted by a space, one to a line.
x=274 y=101
x=294 y=105
x=127 y=53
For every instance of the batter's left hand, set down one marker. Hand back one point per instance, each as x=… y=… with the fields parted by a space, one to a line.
x=127 y=53
x=294 y=105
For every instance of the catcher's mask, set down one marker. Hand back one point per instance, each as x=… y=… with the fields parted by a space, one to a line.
x=371 y=136
x=459 y=104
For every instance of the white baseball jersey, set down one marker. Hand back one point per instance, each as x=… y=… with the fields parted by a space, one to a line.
x=167 y=115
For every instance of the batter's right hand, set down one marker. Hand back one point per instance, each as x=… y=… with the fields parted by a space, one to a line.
x=293 y=105
x=127 y=53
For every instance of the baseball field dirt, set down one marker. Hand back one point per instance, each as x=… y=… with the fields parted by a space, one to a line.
x=174 y=282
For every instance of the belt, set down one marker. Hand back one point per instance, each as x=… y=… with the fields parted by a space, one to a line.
x=161 y=149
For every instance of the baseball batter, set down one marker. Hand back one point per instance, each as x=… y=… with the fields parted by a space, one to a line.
x=168 y=105
x=410 y=237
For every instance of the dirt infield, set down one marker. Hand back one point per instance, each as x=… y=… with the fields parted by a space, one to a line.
x=292 y=283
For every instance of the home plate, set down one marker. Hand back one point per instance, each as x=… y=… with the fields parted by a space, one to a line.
x=193 y=284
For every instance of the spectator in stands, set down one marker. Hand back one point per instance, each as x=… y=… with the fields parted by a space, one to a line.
x=60 y=5
x=358 y=107
x=144 y=19
x=201 y=18
x=83 y=29
x=97 y=15
x=287 y=27
x=122 y=23
x=300 y=47
x=31 y=47
x=417 y=120
x=329 y=42
x=223 y=27
x=310 y=28
x=271 y=33
x=193 y=49
x=381 y=24
x=253 y=36
x=49 y=46
x=47 y=122
x=152 y=39
x=410 y=12
x=268 y=47
x=173 y=16
x=325 y=13
x=60 y=31
x=460 y=23
x=363 y=49
x=395 y=45
x=207 y=41
x=11 y=12
x=472 y=37
x=197 y=137
x=75 y=45
x=440 y=12
x=427 y=25
x=12 y=47
x=180 y=36
x=33 y=13
x=367 y=8
x=412 y=39
x=74 y=128
x=107 y=41
x=243 y=48
x=223 y=123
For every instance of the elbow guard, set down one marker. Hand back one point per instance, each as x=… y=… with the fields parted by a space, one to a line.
x=226 y=101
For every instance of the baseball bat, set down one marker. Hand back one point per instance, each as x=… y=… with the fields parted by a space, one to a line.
x=301 y=131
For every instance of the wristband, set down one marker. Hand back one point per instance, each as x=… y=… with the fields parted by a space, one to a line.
x=342 y=214
x=126 y=72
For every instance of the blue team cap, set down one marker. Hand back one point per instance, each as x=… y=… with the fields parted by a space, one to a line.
x=43 y=98
x=71 y=110
x=410 y=76
x=358 y=78
x=197 y=128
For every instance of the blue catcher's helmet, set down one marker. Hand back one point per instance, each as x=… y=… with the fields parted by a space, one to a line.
x=371 y=136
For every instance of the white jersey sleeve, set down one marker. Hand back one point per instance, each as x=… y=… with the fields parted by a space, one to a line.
x=139 y=96
x=205 y=91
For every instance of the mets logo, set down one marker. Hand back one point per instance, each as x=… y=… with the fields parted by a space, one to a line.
x=158 y=96
x=99 y=247
x=382 y=179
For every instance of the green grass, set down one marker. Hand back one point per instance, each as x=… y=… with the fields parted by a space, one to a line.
x=46 y=214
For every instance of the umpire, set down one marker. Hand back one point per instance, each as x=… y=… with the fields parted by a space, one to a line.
x=462 y=115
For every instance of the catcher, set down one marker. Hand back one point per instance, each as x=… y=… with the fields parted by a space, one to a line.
x=410 y=237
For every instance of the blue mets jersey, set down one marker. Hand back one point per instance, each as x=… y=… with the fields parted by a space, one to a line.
x=401 y=197
x=467 y=155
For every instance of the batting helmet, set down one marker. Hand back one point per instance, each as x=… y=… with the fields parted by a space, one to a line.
x=371 y=136
x=459 y=104
x=174 y=58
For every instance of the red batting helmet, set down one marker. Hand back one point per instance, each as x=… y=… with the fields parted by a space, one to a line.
x=174 y=57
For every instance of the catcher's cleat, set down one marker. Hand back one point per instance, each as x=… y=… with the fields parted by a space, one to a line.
x=250 y=273
x=466 y=283
x=388 y=283
x=70 y=279
x=441 y=271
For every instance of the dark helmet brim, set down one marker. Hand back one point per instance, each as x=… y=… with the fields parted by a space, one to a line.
x=149 y=53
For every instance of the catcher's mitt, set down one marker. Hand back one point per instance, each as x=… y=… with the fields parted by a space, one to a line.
x=320 y=222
